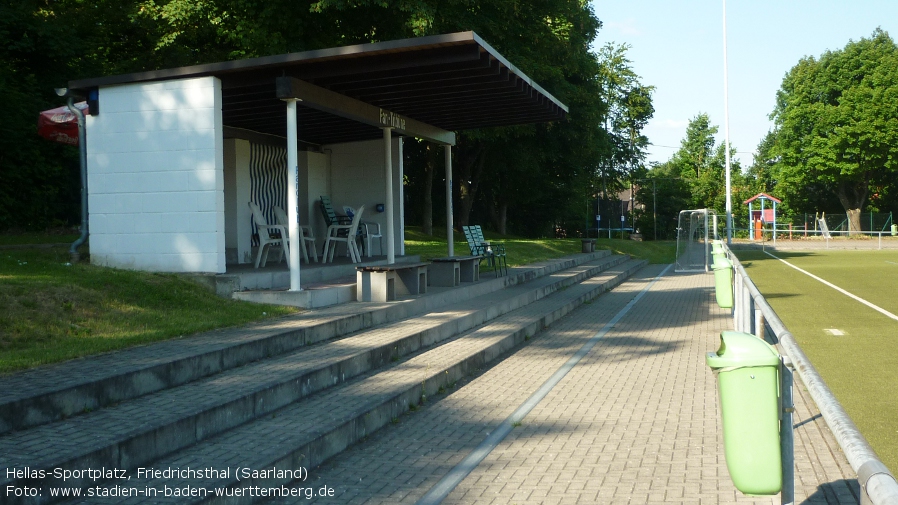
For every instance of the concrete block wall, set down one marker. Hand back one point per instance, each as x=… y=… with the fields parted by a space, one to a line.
x=155 y=177
x=358 y=178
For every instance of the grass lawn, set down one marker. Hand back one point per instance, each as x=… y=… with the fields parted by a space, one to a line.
x=860 y=367
x=52 y=311
x=56 y=237
x=523 y=251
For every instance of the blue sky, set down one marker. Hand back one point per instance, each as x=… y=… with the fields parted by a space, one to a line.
x=677 y=46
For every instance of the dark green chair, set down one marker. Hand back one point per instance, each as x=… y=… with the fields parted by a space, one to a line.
x=492 y=252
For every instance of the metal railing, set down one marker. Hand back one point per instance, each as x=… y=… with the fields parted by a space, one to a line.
x=752 y=314
x=873 y=238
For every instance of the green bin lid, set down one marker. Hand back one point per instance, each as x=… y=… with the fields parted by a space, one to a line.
x=720 y=263
x=739 y=350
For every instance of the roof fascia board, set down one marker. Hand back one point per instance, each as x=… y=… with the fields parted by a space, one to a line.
x=275 y=61
x=350 y=108
x=517 y=71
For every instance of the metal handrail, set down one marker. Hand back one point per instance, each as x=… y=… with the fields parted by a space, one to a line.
x=753 y=314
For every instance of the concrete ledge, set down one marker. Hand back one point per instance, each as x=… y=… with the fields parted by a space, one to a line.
x=276 y=278
x=214 y=411
x=308 y=444
x=47 y=394
x=309 y=298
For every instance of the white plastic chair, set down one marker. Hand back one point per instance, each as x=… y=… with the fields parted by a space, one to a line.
x=369 y=230
x=334 y=235
x=269 y=235
x=305 y=234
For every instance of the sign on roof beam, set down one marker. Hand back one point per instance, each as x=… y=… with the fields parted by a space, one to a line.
x=341 y=105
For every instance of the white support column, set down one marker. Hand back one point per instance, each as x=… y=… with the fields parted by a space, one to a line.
x=450 y=224
x=388 y=172
x=292 y=200
x=401 y=196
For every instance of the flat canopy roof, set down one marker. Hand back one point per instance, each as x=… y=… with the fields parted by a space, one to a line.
x=452 y=82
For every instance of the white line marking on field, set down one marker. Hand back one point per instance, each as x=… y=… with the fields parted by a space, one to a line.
x=834 y=332
x=892 y=262
x=837 y=288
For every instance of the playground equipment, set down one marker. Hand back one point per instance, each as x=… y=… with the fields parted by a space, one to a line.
x=758 y=218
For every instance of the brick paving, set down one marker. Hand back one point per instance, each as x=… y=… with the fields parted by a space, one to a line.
x=635 y=421
x=289 y=436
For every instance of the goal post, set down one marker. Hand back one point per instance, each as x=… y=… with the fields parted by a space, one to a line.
x=695 y=230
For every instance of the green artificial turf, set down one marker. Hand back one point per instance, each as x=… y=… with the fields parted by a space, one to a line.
x=860 y=367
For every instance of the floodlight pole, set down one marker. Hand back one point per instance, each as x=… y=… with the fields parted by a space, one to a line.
x=726 y=130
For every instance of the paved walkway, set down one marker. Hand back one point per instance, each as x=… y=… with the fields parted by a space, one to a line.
x=635 y=421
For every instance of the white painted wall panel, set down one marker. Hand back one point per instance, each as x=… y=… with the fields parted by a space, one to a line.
x=358 y=178
x=237 y=216
x=155 y=177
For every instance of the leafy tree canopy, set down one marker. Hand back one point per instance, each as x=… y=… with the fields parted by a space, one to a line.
x=695 y=178
x=45 y=44
x=836 y=123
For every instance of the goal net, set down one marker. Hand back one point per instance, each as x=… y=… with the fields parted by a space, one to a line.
x=695 y=230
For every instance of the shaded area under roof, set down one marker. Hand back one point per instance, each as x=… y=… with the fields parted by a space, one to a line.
x=454 y=82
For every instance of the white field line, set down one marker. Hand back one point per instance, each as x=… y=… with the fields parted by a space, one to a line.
x=837 y=288
x=892 y=262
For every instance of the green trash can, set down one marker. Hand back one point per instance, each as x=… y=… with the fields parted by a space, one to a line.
x=723 y=282
x=717 y=251
x=747 y=370
x=894 y=230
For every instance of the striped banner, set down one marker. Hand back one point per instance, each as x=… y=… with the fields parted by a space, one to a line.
x=268 y=181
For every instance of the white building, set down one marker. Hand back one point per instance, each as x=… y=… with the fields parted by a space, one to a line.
x=175 y=155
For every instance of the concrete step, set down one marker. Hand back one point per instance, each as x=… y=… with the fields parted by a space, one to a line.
x=315 y=296
x=276 y=276
x=192 y=412
x=55 y=392
x=178 y=417
x=305 y=433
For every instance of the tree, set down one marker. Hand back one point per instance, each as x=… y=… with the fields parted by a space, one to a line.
x=661 y=194
x=696 y=177
x=46 y=44
x=702 y=164
x=837 y=124
x=628 y=109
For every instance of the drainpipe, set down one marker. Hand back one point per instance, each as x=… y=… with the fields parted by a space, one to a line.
x=82 y=147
